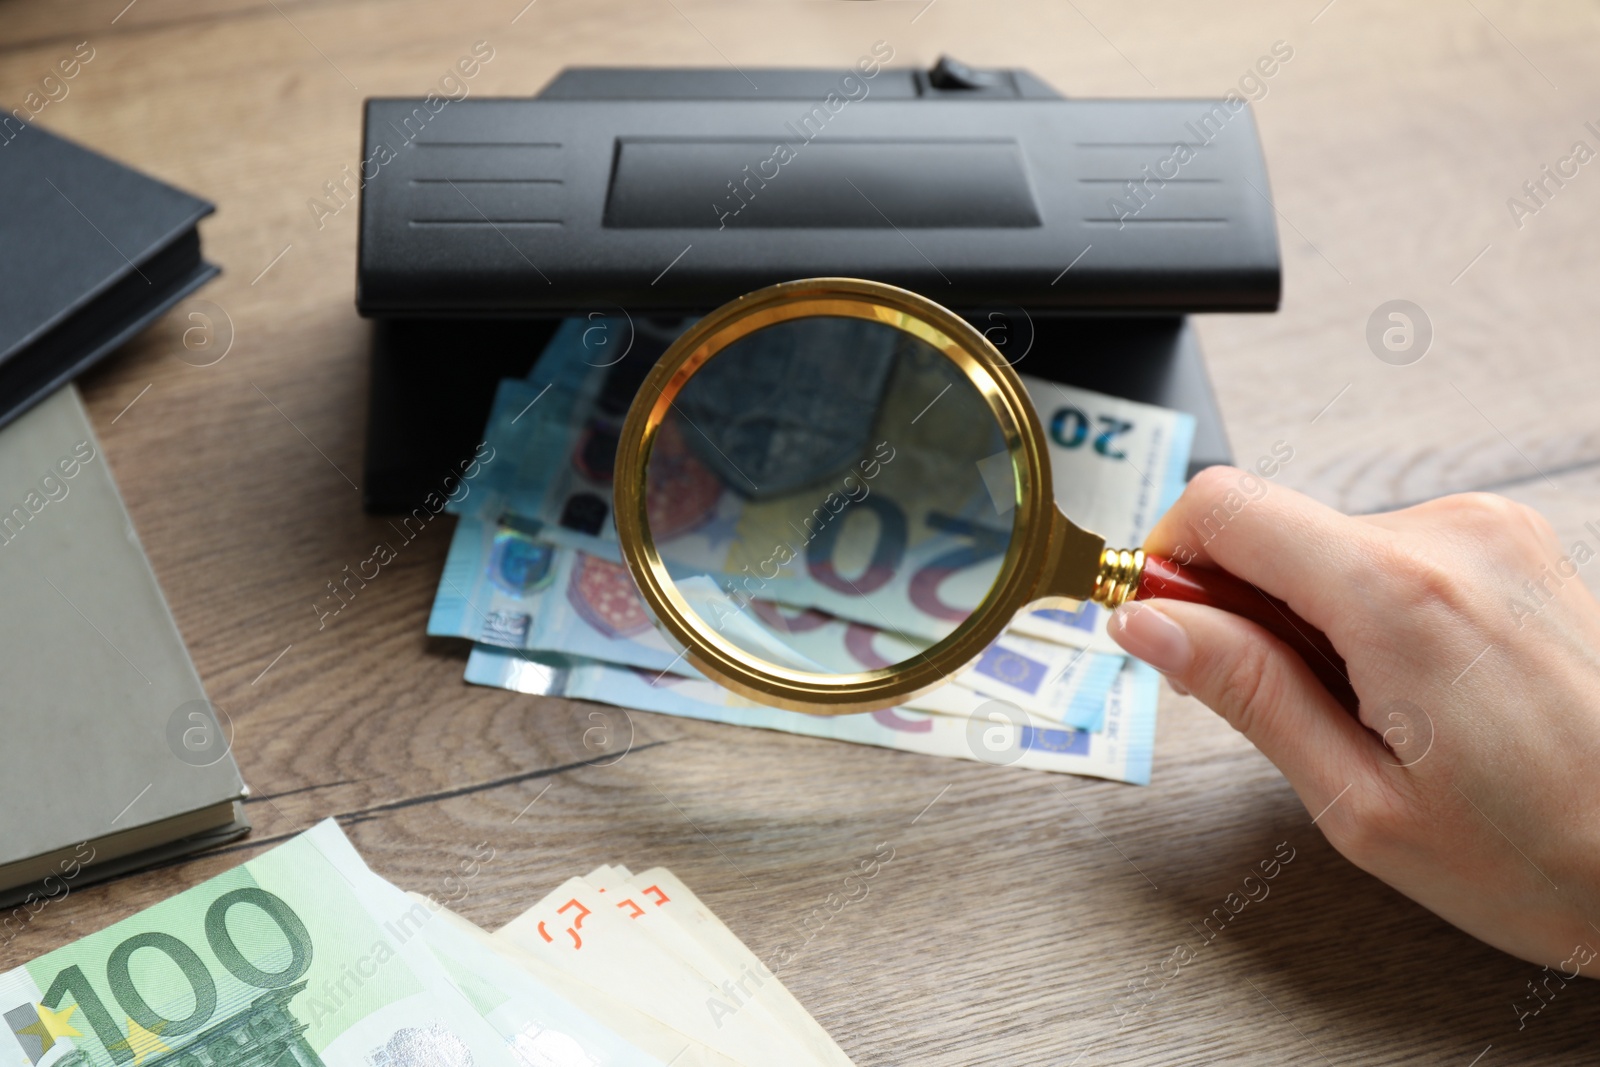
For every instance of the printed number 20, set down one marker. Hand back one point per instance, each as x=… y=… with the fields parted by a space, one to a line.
x=1069 y=428
x=72 y=979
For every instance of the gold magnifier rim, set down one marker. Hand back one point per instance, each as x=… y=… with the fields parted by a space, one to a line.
x=1026 y=556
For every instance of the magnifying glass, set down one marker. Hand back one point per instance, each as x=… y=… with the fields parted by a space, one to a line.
x=835 y=494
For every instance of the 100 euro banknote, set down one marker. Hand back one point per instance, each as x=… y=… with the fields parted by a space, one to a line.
x=282 y=961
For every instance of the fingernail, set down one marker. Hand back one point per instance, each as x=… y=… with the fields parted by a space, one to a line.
x=1150 y=634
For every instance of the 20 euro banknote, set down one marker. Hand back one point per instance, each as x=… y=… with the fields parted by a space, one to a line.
x=994 y=731
x=1116 y=465
x=504 y=585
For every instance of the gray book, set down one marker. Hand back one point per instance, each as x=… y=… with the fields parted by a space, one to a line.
x=111 y=757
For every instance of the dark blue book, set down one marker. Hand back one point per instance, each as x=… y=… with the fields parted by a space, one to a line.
x=91 y=252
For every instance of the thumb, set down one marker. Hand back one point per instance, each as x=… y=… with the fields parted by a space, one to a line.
x=1258 y=685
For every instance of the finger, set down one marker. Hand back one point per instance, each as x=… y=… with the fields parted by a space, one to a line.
x=1259 y=686
x=1282 y=541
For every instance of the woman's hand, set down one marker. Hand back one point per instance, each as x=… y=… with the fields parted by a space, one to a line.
x=1471 y=782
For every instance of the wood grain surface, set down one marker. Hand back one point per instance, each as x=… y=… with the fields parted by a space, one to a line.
x=1019 y=906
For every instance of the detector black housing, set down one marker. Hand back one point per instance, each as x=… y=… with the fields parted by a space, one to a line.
x=1078 y=233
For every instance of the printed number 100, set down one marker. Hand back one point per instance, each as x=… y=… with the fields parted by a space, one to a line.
x=73 y=981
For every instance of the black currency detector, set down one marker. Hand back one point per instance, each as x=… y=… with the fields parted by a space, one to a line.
x=1078 y=234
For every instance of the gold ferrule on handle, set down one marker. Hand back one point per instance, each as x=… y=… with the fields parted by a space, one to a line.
x=1119 y=576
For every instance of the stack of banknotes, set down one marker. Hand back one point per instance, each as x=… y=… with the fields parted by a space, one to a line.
x=535 y=579
x=303 y=957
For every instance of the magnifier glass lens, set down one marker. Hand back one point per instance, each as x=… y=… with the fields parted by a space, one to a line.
x=832 y=495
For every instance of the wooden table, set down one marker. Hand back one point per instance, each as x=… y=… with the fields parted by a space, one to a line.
x=1019 y=906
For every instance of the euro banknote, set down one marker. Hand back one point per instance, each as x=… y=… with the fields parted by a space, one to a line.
x=1116 y=465
x=920 y=523
x=648 y=938
x=303 y=957
x=640 y=955
x=504 y=585
x=283 y=960
x=989 y=730
x=496 y=986
x=503 y=967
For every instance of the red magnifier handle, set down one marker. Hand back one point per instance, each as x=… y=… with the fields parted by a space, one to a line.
x=1163 y=578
